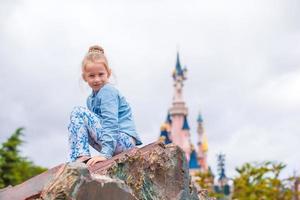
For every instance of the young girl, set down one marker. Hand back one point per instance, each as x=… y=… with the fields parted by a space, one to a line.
x=107 y=123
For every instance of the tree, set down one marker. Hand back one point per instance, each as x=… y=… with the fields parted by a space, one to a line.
x=205 y=179
x=261 y=181
x=14 y=168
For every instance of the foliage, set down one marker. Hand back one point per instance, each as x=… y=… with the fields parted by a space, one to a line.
x=261 y=181
x=205 y=179
x=14 y=168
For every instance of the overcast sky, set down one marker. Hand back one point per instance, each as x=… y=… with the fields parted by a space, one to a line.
x=242 y=59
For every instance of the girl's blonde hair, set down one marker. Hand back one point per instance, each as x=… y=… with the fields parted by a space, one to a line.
x=95 y=54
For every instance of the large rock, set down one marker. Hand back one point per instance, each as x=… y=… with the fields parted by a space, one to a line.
x=74 y=181
x=154 y=172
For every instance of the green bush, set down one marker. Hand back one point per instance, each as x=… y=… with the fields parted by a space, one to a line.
x=14 y=168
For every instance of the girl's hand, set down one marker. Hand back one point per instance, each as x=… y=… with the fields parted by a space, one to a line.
x=95 y=159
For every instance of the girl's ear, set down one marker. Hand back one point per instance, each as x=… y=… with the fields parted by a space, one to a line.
x=109 y=72
x=83 y=77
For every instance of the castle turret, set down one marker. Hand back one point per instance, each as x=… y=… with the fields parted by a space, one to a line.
x=202 y=144
x=222 y=187
x=178 y=112
x=165 y=130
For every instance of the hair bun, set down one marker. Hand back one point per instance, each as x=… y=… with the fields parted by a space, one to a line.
x=96 y=49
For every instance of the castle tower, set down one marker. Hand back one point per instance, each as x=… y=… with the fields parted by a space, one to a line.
x=202 y=144
x=222 y=187
x=179 y=133
x=176 y=128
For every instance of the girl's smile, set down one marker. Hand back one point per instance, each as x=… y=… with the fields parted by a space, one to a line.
x=95 y=74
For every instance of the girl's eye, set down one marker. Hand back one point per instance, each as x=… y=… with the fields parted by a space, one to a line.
x=91 y=75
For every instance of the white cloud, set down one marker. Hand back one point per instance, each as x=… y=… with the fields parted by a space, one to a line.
x=281 y=93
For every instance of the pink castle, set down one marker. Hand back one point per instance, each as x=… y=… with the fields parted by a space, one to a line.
x=176 y=127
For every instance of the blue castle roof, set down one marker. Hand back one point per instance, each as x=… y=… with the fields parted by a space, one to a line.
x=185 y=124
x=168 y=119
x=179 y=71
x=178 y=67
x=193 y=161
x=199 y=119
x=165 y=135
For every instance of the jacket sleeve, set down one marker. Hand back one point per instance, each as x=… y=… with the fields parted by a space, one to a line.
x=109 y=105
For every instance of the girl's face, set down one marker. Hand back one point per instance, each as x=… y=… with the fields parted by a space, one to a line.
x=96 y=75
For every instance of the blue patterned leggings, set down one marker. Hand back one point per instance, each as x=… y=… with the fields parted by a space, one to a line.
x=85 y=129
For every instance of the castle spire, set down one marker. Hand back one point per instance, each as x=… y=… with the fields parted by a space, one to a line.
x=223 y=185
x=178 y=104
x=202 y=144
x=179 y=72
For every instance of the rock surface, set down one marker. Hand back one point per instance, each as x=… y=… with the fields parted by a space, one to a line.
x=153 y=172
x=74 y=181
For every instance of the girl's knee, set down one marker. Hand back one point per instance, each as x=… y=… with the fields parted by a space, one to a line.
x=78 y=110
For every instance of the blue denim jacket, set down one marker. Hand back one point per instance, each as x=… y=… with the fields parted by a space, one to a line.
x=115 y=116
